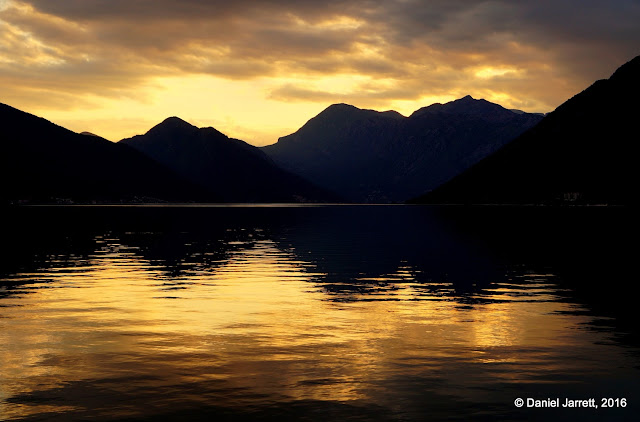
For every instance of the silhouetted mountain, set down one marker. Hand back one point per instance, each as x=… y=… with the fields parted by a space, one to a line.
x=43 y=162
x=515 y=110
x=235 y=170
x=370 y=156
x=580 y=153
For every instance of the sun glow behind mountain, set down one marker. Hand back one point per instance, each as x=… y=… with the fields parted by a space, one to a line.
x=259 y=70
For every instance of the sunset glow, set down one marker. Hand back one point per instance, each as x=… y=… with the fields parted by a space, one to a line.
x=259 y=70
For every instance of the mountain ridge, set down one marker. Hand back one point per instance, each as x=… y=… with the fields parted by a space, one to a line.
x=578 y=154
x=371 y=156
x=44 y=162
x=481 y=150
x=232 y=168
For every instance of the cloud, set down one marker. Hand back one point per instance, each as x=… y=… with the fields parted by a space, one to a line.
x=405 y=50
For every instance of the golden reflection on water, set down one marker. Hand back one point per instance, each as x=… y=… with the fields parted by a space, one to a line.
x=260 y=321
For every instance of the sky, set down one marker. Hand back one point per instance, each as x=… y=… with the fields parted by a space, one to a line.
x=257 y=70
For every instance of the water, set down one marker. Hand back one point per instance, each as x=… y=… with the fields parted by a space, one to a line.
x=316 y=313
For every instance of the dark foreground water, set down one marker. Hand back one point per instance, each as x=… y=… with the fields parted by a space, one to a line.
x=321 y=313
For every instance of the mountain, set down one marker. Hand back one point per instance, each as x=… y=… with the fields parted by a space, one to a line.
x=370 y=156
x=43 y=162
x=579 y=153
x=233 y=169
x=515 y=110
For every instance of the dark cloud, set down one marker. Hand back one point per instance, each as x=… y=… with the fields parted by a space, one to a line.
x=105 y=47
x=154 y=10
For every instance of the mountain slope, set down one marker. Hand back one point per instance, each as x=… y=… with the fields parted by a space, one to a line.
x=43 y=162
x=338 y=148
x=233 y=169
x=370 y=156
x=580 y=153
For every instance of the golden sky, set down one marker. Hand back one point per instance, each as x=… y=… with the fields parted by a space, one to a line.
x=259 y=69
